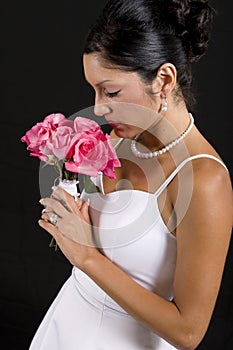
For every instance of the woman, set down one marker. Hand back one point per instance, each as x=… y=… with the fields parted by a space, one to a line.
x=147 y=275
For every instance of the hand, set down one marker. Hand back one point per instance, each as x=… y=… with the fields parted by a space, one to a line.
x=72 y=230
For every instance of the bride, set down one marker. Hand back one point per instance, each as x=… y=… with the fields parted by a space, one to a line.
x=149 y=249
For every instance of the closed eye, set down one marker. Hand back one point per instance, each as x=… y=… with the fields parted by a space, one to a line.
x=111 y=94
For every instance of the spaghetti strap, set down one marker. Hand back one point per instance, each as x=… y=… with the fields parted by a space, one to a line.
x=180 y=166
x=118 y=143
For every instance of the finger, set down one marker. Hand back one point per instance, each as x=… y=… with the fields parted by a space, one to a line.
x=45 y=216
x=58 y=235
x=78 y=203
x=45 y=213
x=65 y=244
x=72 y=203
x=61 y=194
x=55 y=206
x=50 y=228
x=85 y=212
x=48 y=216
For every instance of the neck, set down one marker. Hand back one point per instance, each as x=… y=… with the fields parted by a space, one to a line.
x=167 y=129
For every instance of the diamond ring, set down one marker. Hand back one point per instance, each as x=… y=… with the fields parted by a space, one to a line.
x=53 y=219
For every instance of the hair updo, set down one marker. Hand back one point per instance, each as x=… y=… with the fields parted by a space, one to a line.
x=141 y=35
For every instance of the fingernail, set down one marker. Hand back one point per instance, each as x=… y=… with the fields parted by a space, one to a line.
x=41 y=201
x=54 y=188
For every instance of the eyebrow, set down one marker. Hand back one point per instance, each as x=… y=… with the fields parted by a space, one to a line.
x=102 y=82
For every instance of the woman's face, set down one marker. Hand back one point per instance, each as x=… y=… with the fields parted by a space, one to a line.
x=120 y=97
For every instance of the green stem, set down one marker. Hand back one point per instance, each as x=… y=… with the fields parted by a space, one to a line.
x=68 y=175
x=53 y=244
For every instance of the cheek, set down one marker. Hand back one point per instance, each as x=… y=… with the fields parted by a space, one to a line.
x=139 y=111
x=136 y=95
x=143 y=97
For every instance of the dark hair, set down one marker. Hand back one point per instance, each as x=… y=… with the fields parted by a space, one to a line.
x=141 y=35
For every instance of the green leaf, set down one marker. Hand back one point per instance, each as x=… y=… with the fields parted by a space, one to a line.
x=89 y=186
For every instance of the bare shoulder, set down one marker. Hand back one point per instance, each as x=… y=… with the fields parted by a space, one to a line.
x=212 y=197
x=207 y=181
x=211 y=178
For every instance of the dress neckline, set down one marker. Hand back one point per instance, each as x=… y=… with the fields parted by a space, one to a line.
x=126 y=190
x=168 y=179
x=151 y=195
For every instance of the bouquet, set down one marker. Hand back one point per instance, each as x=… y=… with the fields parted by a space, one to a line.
x=73 y=147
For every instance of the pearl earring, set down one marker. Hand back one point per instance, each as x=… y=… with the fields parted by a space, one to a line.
x=164 y=106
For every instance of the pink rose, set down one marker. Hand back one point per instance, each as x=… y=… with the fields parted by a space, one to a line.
x=82 y=141
x=82 y=124
x=37 y=137
x=91 y=155
x=52 y=121
x=59 y=142
x=113 y=160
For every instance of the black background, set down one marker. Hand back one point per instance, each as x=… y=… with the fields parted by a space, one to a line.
x=41 y=73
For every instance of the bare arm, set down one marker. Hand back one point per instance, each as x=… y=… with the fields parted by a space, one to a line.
x=202 y=243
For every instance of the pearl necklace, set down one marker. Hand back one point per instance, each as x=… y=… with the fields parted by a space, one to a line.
x=172 y=144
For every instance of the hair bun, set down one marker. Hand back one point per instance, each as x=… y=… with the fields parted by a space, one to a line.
x=191 y=22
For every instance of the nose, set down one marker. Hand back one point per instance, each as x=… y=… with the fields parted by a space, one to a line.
x=101 y=109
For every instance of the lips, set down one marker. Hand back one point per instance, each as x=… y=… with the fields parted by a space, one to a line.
x=113 y=124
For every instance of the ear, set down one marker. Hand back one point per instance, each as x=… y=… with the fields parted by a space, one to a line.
x=165 y=80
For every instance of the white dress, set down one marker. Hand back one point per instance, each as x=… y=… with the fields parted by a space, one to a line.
x=132 y=233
